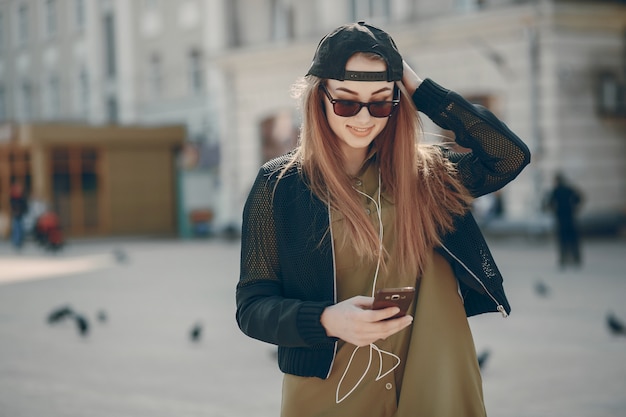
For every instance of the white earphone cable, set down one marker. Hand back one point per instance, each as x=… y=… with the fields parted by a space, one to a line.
x=372 y=346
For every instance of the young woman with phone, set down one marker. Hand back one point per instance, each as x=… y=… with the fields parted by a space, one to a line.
x=362 y=204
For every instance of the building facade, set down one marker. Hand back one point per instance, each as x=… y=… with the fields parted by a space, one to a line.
x=552 y=70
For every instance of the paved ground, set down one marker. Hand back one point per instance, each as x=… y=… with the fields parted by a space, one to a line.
x=553 y=357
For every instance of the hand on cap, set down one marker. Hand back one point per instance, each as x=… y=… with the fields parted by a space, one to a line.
x=410 y=79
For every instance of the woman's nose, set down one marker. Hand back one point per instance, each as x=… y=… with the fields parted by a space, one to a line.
x=363 y=114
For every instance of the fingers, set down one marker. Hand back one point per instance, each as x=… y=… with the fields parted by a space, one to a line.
x=364 y=311
x=410 y=79
x=383 y=313
x=361 y=301
x=353 y=321
x=371 y=332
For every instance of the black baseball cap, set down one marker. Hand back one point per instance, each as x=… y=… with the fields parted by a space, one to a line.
x=338 y=46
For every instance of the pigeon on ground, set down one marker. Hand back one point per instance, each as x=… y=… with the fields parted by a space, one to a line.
x=120 y=256
x=59 y=314
x=542 y=289
x=102 y=316
x=196 y=332
x=82 y=324
x=482 y=358
x=615 y=325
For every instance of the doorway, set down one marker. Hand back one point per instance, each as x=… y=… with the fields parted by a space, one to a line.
x=76 y=184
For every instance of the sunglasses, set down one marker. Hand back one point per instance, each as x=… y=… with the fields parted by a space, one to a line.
x=349 y=108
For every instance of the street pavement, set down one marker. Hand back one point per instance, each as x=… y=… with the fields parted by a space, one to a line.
x=552 y=357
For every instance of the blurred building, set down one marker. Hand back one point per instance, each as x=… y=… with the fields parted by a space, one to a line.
x=108 y=180
x=553 y=70
x=104 y=63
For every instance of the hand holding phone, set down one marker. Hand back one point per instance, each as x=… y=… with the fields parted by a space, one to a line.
x=394 y=297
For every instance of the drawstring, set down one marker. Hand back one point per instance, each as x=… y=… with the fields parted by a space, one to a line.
x=372 y=346
x=380 y=375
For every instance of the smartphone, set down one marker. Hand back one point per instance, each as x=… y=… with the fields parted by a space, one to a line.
x=394 y=297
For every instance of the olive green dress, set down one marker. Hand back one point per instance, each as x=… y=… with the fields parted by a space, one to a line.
x=438 y=373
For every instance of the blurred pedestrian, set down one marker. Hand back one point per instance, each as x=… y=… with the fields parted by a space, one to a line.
x=360 y=205
x=19 y=208
x=565 y=200
x=497 y=209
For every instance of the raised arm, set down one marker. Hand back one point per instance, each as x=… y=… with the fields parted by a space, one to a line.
x=497 y=155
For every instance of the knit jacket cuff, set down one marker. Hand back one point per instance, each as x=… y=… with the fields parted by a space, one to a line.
x=310 y=325
x=429 y=97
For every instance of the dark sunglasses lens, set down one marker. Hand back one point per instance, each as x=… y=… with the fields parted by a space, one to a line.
x=382 y=109
x=346 y=108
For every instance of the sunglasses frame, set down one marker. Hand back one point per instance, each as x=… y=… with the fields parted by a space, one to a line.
x=334 y=101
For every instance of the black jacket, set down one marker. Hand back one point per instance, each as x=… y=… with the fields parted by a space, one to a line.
x=287 y=273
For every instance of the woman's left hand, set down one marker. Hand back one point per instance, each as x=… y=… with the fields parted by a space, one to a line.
x=410 y=79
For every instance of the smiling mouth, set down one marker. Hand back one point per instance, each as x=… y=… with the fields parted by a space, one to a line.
x=361 y=129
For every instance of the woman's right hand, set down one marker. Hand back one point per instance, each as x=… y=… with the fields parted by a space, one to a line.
x=354 y=321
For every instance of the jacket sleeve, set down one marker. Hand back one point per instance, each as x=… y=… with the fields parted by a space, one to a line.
x=263 y=311
x=497 y=155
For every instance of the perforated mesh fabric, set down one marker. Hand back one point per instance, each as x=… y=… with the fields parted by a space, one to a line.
x=497 y=155
x=259 y=248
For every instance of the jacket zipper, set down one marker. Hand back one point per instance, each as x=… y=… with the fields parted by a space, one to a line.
x=499 y=306
x=332 y=245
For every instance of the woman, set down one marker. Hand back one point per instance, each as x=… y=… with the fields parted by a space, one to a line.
x=360 y=205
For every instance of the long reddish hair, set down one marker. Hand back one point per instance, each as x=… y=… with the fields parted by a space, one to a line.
x=422 y=183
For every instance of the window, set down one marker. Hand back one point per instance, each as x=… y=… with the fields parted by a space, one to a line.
x=26 y=98
x=282 y=20
x=233 y=32
x=22 y=24
x=3 y=105
x=279 y=134
x=50 y=18
x=112 y=110
x=53 y=97
x=75 y=183
x=155 y=77
x=195 y=72
x=469 y=5
x=1 y=32
x=82 y=99
x=80 y=17
x=364 y=9
x=610 y=94
x=109 y=45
